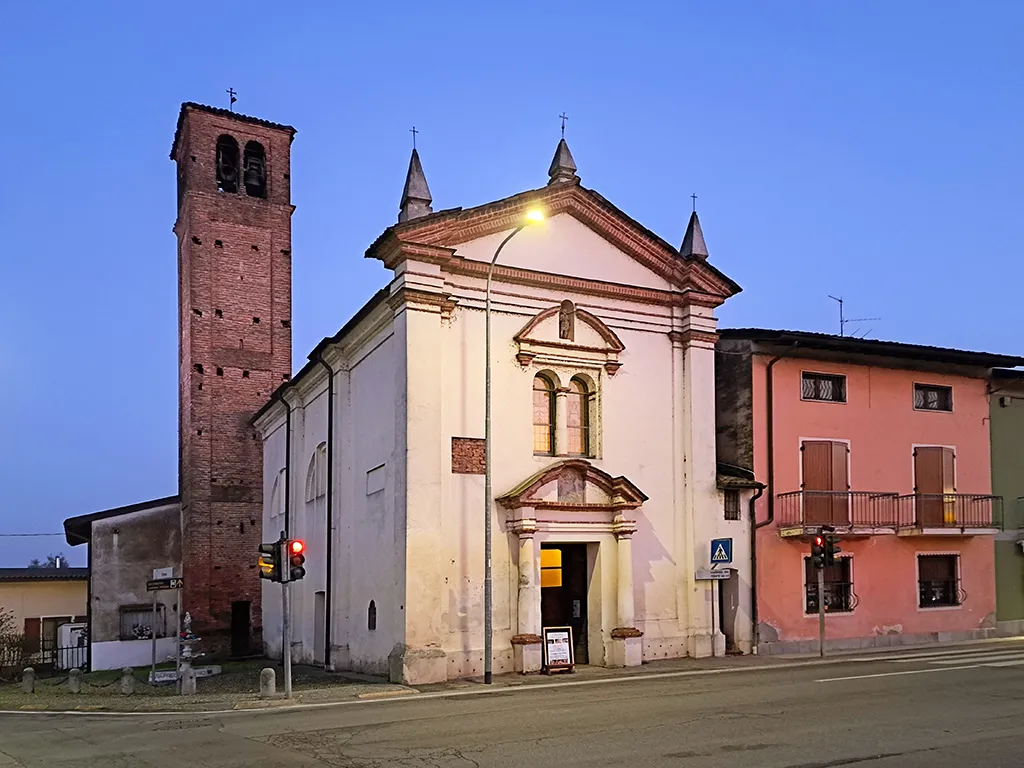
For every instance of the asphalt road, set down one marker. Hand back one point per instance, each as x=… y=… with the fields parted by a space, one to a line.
x=941 y=709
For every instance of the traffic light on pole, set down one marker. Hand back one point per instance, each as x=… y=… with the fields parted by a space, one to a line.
x=270 y=561
x=818 y=551
x=296 y=548
x=831 y=550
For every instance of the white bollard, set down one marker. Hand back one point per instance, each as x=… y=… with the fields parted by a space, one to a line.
x=268 y=682
x=28 y=680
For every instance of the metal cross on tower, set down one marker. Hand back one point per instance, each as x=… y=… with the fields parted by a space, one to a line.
x=231 y=94
x=563 y=117
x=413 y=131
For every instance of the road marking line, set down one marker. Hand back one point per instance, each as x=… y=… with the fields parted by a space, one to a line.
x=1018 y=663
x=933 y=654
x=897 y=674
x=981 y=659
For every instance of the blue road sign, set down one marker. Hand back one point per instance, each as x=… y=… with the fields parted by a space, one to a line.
x=721 y=551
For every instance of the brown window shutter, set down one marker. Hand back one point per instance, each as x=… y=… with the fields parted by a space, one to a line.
x=928 y=469
x=817 y=464
x=948 y=471
x=930 y=483
x=817 y=476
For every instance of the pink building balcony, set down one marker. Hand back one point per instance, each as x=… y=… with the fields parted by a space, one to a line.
x=867 y=513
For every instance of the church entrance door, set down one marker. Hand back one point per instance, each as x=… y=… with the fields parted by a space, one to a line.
x=563 y=592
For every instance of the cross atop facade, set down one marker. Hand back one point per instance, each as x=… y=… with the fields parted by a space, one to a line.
x=694 y=196
x=563 y=117
x=231 y=92
x=413 y=131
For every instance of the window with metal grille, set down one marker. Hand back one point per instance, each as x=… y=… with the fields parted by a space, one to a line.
x=933 y=397
x=827 y=387
x=732 y=505
x=137 y=622
x=938 y=581
x=543 y=415
x=839 y=596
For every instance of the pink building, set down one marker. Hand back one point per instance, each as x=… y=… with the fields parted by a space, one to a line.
x=887 y=443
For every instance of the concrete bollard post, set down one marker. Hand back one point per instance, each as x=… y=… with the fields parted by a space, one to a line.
x=188 y=682
x=127 y=681
x=75 y=681
x=268 y=682
x=28 y=680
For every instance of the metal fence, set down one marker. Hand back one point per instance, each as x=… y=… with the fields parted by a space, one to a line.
x=879 y=509
x=840 y=509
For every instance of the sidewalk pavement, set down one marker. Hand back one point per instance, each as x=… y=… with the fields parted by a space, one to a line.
x=317 y=687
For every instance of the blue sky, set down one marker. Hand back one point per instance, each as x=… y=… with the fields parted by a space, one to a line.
x=864 y=149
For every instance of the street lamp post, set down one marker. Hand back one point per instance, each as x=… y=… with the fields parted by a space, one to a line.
x=532 y=217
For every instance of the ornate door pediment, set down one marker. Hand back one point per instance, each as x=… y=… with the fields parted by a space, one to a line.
x=573 y=495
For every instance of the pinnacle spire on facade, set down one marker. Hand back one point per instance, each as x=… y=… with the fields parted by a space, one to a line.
x=563 y=168
x=693 y=241
x=416 y=194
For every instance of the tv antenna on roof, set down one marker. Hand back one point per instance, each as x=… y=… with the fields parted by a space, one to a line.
x=844 y=321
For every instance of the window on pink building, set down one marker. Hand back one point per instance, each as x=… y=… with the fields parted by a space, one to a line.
x=839 y=595
x=825 y=387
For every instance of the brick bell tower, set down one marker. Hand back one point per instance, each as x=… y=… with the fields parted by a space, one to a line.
x=235 y=349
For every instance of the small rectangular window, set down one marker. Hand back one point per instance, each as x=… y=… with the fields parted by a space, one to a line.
x=938 y=581
x=839 y=597
x=827 y=387
x=137 y=622
x=933 y=397
x=732 y=505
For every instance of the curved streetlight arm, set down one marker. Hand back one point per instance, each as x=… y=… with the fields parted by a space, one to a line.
x=488 y=584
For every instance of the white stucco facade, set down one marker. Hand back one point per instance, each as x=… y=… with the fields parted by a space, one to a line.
x=408 y=513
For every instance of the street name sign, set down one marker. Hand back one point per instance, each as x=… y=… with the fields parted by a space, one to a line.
x=154 y=585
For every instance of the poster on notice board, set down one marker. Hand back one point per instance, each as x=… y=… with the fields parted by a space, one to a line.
x=558 y=649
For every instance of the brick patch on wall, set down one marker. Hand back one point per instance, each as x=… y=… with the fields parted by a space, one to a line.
x=467 y=456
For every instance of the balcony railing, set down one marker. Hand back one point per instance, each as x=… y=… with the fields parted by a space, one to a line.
x=840 y=509
x=870 y=510
x=950 y=511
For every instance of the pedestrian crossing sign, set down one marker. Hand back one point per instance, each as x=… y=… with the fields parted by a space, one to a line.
x=721 y=551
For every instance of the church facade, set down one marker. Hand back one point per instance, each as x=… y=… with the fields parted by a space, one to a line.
x=606 y=494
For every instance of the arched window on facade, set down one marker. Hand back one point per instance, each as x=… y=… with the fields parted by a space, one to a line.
x=543 y=415
x=371 y=616
x=316 y=475
x=227 y=164
x=255 y=170
x=578 y=418
x=311 y=474
x=321 y=470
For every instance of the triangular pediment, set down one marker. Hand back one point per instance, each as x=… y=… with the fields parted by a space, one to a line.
x=620 y=243
x=574 y=483
x=565 y=333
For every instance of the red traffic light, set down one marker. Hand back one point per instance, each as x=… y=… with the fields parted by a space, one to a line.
x=818 y=540
x=297 y=547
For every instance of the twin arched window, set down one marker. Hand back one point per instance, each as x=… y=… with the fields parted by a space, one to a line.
x=577 y=417
x=254 y=167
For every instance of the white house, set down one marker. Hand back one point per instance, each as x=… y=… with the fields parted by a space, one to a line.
x=606 y=496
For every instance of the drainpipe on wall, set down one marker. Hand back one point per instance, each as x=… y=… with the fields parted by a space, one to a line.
x=330 y=508
x=753 y=566
x=770 y=419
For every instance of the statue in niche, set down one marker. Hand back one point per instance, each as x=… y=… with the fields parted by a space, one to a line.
x=567 y=321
